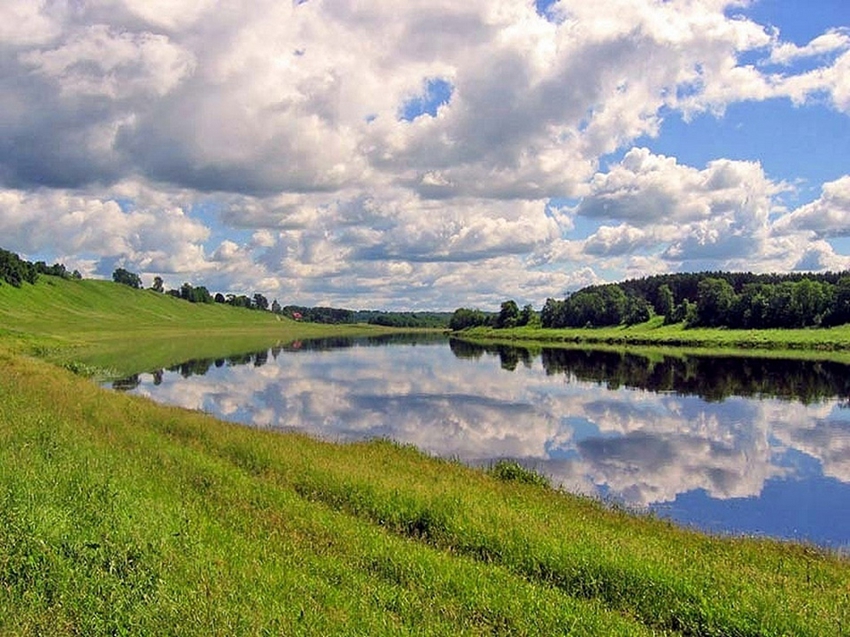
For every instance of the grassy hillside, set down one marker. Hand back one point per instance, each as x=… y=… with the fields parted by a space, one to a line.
x=120 y=516
x=119 y=329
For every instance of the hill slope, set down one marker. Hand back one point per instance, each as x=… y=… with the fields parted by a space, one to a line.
x=124 y=330
x=55 y=305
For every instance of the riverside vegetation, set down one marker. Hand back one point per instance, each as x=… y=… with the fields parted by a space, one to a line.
x=707 y=309
x=121 y=516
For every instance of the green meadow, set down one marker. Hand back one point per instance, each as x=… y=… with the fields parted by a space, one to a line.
x=109 y=329
x=119 y=516
x=827 y=343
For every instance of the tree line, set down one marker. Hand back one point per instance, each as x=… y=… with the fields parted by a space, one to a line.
x=703 y=299
x=509 y=315
x=200 y=294
x=196 y=293
x=336 y=316
x=16 y=271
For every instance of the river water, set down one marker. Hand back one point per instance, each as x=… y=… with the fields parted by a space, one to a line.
x=732 y=445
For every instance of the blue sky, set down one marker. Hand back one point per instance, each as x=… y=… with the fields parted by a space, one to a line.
x=425 y=155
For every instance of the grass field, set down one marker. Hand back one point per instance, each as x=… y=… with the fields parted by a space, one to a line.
x=832 y=343
x=120 y=516
x=116 y=330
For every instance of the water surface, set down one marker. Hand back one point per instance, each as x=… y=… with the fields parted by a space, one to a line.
x=733 y=445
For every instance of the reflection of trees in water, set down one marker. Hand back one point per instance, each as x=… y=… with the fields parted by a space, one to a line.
x=201 y=366
x=466 y=350
x=343 y=342
x=509 y=356
x=126 y=384
x=709 y=377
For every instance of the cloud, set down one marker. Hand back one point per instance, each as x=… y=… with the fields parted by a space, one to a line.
x=303 y=97
x=98 y=61
x=827 y=216
x=718 y=214
x=400 y=143
x=619 y=240
x=645 y=188
x=24 y=22
x=830 y=42
x=157 y=239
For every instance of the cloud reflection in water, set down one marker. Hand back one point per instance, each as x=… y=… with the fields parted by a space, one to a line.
x=599 y=435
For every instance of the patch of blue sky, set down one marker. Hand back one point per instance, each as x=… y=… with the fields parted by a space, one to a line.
x=438 y=92
x=209 y=213
x=126 y=204
x=804 y=146
x=798 y=22
x=841 y=245
x=583 y=227
x=544 y=8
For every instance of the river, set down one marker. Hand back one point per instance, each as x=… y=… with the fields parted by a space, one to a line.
x=725 y=444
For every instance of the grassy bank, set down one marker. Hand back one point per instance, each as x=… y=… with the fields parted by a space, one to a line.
x=655 y=334
x=120 y=516
x=118 y=330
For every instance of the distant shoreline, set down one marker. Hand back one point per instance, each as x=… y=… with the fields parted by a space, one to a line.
x=828 y=343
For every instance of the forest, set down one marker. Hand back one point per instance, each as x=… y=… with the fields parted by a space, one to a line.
x=703 y=299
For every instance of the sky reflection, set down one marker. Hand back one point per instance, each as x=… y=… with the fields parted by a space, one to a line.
x=720 y=461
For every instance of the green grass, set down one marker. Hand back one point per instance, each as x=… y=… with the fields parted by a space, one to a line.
x=108 y=329
x=832 y=343
x=121 y=516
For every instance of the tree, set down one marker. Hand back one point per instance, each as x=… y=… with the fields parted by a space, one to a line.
x=840 y=312
x=552 y=313
x=715 y=300
x=260 y=302
x=16 y=271
x=157 y=284
x=187 y=291
x=202 y=295
x=238 y=301
x=637 y=311
x=508 y=315
x=665 y=304
x=193 y=294
x=125 y=277
x=275 y=307
x=526 y=316
x=464 y=317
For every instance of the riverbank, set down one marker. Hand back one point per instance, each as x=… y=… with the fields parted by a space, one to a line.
x=108 y=330
x=815 y=341
x=118 y=515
